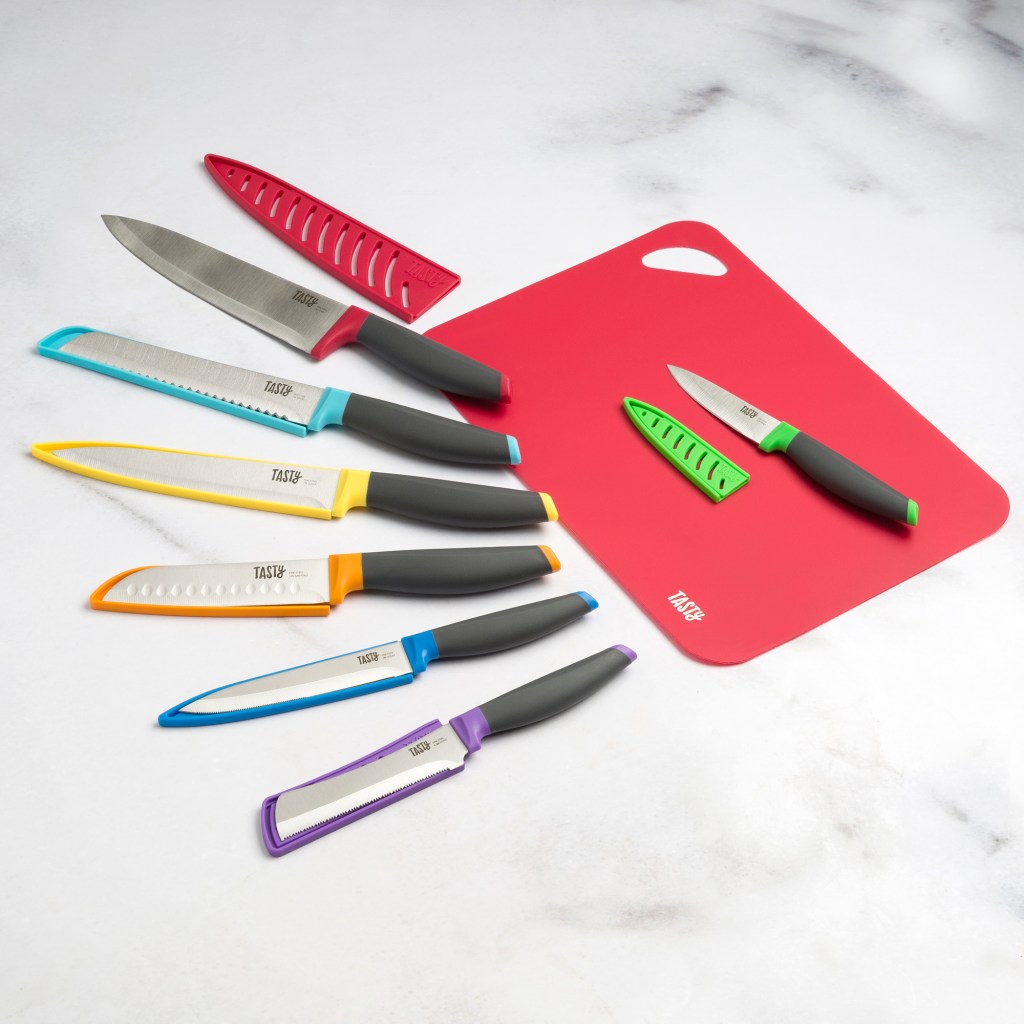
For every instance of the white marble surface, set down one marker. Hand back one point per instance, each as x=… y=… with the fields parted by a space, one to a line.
x=832 y=832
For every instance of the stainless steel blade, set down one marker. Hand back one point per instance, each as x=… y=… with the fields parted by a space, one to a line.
x=741 y=416
x=298 y=810
x=303 y=581
x=331 y=675
x=282 y=308
x=275 y=396
x=307 y=486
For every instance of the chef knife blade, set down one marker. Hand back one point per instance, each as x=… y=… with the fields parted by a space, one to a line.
x=310 y=586
x=427 y=755
x=831 y=470
x=274 y=401
x=378 y=668
x=304 y=319
x=313 y=491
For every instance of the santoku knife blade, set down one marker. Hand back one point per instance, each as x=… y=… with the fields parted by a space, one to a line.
x=310 y=586
x=378 y=668
x=427 y=755
x=831 y=470
x=314 y=491
x=305 y=319
x=275 y=401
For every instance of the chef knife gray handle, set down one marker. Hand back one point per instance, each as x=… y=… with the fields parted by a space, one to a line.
x=423 y=433
x=555 y=692
x=431 y=362
x=453 y=503
x=511 y=627
x=844 y=478
x=456 y=570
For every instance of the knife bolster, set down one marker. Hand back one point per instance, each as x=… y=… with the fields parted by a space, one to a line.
x=342 y=332
x=351 y=491
x=346 y=574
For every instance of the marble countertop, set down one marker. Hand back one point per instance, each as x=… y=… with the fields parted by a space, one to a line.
x=829 y=832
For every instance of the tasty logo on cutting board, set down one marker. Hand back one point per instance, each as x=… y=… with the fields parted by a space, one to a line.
x=689 y=609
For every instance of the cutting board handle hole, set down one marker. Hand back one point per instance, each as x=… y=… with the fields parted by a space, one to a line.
x=685 y=261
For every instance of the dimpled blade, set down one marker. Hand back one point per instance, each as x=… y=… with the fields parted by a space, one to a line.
x=298 y=810
x=274 y=396
x=331 y=675
x=305 y=581
x=743 y=418
x=274 y=482
x=292 y=313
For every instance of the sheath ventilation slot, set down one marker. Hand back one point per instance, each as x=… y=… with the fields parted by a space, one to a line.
x=291 y=213
x=245 y=183
x=355 y=255
x=307 y=222
x=259 y=194
x=339 y=243
x=373 y=262
x=405 y=294
x=276 y=203
x=323 y=234
x=388 y=273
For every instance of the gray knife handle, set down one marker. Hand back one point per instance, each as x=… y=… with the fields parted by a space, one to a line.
x=456 y=570
x=556 y=692
x=848 y=481
x=453 y=503
x=430 y=361
x=423 y=433
x=499 y=631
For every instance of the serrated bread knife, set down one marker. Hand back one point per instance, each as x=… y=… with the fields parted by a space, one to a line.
x=427 y=755
x=378 y=668
x=310 y=586
x=831 y=470
x=304 y=319
x=314 y=491
x=277 y=402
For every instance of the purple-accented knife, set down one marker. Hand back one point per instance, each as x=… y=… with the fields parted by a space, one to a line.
x=427 y=755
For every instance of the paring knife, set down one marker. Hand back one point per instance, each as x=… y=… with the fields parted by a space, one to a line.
x=303 y=318
x=310 y=586
x=827 y=467
x=427 y=755
x=378 y=668
x=277 y=402
x=314 y=491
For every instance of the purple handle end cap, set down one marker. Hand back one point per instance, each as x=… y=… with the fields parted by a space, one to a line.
x=627 y=651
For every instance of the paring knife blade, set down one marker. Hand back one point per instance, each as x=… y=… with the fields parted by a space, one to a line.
x=276 y=401
x=427 y=755
x=310 y=586
x=313 y=491
x=831 y=470
x=299 y=316
x=378 y=668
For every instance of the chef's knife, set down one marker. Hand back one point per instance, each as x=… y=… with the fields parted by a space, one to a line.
x=831 y=470
x=427 y=755
x=314 y=491
x=310 y=586
x=378 y=668
x=284 y=404
x=305 y=319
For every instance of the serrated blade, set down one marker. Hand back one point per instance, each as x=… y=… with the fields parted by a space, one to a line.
x=274 y=396
x=744 y=418
x=205 y=475
x=331 y=675
x=299 y=581
x=288 y=311
x=437 y=753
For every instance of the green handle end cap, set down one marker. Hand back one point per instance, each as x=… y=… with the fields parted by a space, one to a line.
x=911 y=513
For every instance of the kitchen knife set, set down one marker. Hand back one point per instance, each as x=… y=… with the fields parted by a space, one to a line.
x=317 y=325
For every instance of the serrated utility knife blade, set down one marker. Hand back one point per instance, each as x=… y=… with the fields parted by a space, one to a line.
x=303 y=318
x=274 y=401
x=827 y=467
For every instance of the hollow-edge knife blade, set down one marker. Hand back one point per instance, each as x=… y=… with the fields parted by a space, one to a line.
x=288 y=311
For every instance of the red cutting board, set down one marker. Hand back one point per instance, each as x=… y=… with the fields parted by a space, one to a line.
x=780 y=555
